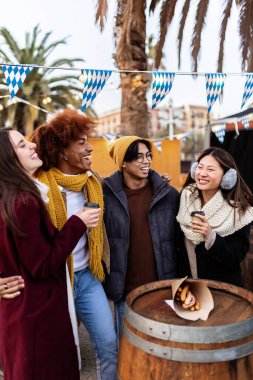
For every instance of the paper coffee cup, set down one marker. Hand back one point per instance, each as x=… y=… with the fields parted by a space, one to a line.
x=194 y=215
x=89 y=205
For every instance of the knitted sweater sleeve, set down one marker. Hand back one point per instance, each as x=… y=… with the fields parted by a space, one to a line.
x=227 y=251
x=43 y=249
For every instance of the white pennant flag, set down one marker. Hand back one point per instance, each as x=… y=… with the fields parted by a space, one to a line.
x=161 y=86
x=214 y=87
x=94 y=81
x=15 y=77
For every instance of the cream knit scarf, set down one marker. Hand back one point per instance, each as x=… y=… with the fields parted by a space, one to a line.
x=218 y=212
x=58 y=213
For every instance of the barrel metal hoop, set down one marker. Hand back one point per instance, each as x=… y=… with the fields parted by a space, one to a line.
x=189 y=334
x=189 y=356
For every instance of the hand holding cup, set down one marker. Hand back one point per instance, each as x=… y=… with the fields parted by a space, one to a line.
x=90 y=214
x=199 y=223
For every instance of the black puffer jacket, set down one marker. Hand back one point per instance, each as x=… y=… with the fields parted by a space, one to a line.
x=162 y=220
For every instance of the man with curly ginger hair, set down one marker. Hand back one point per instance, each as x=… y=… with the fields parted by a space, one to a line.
x=63 y=145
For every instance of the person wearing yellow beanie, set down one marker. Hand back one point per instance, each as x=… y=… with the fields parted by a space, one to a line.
x=118 y=148
x=140 y=214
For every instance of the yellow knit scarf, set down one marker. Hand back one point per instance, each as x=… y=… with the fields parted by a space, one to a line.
x=57 y=210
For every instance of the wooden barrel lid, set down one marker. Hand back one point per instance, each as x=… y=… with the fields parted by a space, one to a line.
x=231 y=304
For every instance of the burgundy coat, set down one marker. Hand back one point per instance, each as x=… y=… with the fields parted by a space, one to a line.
x=36 y=335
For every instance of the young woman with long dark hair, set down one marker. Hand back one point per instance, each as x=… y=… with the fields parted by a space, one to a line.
x=36 y=335
x=217 y=238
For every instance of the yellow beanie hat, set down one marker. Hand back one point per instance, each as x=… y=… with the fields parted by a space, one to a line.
x=118 y=148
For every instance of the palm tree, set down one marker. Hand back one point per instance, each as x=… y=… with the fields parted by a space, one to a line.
x=42 y=88
x=130 y=40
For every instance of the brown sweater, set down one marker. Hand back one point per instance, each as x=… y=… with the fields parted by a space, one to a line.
x=141 y=264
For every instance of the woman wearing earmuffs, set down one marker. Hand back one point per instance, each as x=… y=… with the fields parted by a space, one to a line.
x=216 y=242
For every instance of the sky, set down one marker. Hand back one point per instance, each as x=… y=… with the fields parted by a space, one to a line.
x=76 y=19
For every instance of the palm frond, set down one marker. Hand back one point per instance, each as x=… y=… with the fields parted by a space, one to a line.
x=5 y=58
x=250 y=59
x=66 y=62
x=60 y=102
x=42 y=43
x=27 y=39
x=40 y=83
x=48 y=50
x=245 y=29
x=11 y=42
x=64 y=88
x=226 y=14
x=153 y=5
x=64 y=78
x=185 y=12
x=166 y=17
x=101 y=14
x=36 y=32
x=198 y=28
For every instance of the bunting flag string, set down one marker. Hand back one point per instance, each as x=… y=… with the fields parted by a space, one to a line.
x=15 y=77
x=248 y=89
x=219 y=130
x=94 y=81
x=214 y=87
x=245 y=121
x=161 y=86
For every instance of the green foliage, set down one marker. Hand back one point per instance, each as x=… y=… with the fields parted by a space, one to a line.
x=42 y=87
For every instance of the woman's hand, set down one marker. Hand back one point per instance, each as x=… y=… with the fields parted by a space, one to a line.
x=10 y=287
x=90 y=217
x=201 y=226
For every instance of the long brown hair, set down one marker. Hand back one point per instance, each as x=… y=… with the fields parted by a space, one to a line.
x=239 y=196
x=14 y=181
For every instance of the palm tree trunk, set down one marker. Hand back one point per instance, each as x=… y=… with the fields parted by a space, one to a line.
x=130 y=36
x=19 y=120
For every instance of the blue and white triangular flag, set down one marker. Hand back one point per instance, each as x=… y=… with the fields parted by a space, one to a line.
x=219 y=130
x=94 y=81
x=161 y=86
x=245 y=121
x=15 y=77
x=214 y=87
x=158 y=145
x=248 y=89
x=109 y=136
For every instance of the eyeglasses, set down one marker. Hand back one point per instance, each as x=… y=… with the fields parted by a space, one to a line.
x=141 y=156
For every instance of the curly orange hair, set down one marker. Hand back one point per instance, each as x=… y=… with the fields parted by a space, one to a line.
x=52 y=138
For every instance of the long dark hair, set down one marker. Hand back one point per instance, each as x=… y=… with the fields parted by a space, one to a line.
x=14 y=181
x=239 y=196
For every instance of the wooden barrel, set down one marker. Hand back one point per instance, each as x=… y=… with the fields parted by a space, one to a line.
x=156 y=344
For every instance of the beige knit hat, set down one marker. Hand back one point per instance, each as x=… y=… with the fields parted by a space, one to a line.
x=118 y=148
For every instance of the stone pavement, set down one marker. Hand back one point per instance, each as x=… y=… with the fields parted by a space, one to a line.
x=88 y=371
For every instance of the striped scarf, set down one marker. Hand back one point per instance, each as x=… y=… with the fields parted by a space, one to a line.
x=58 y=212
